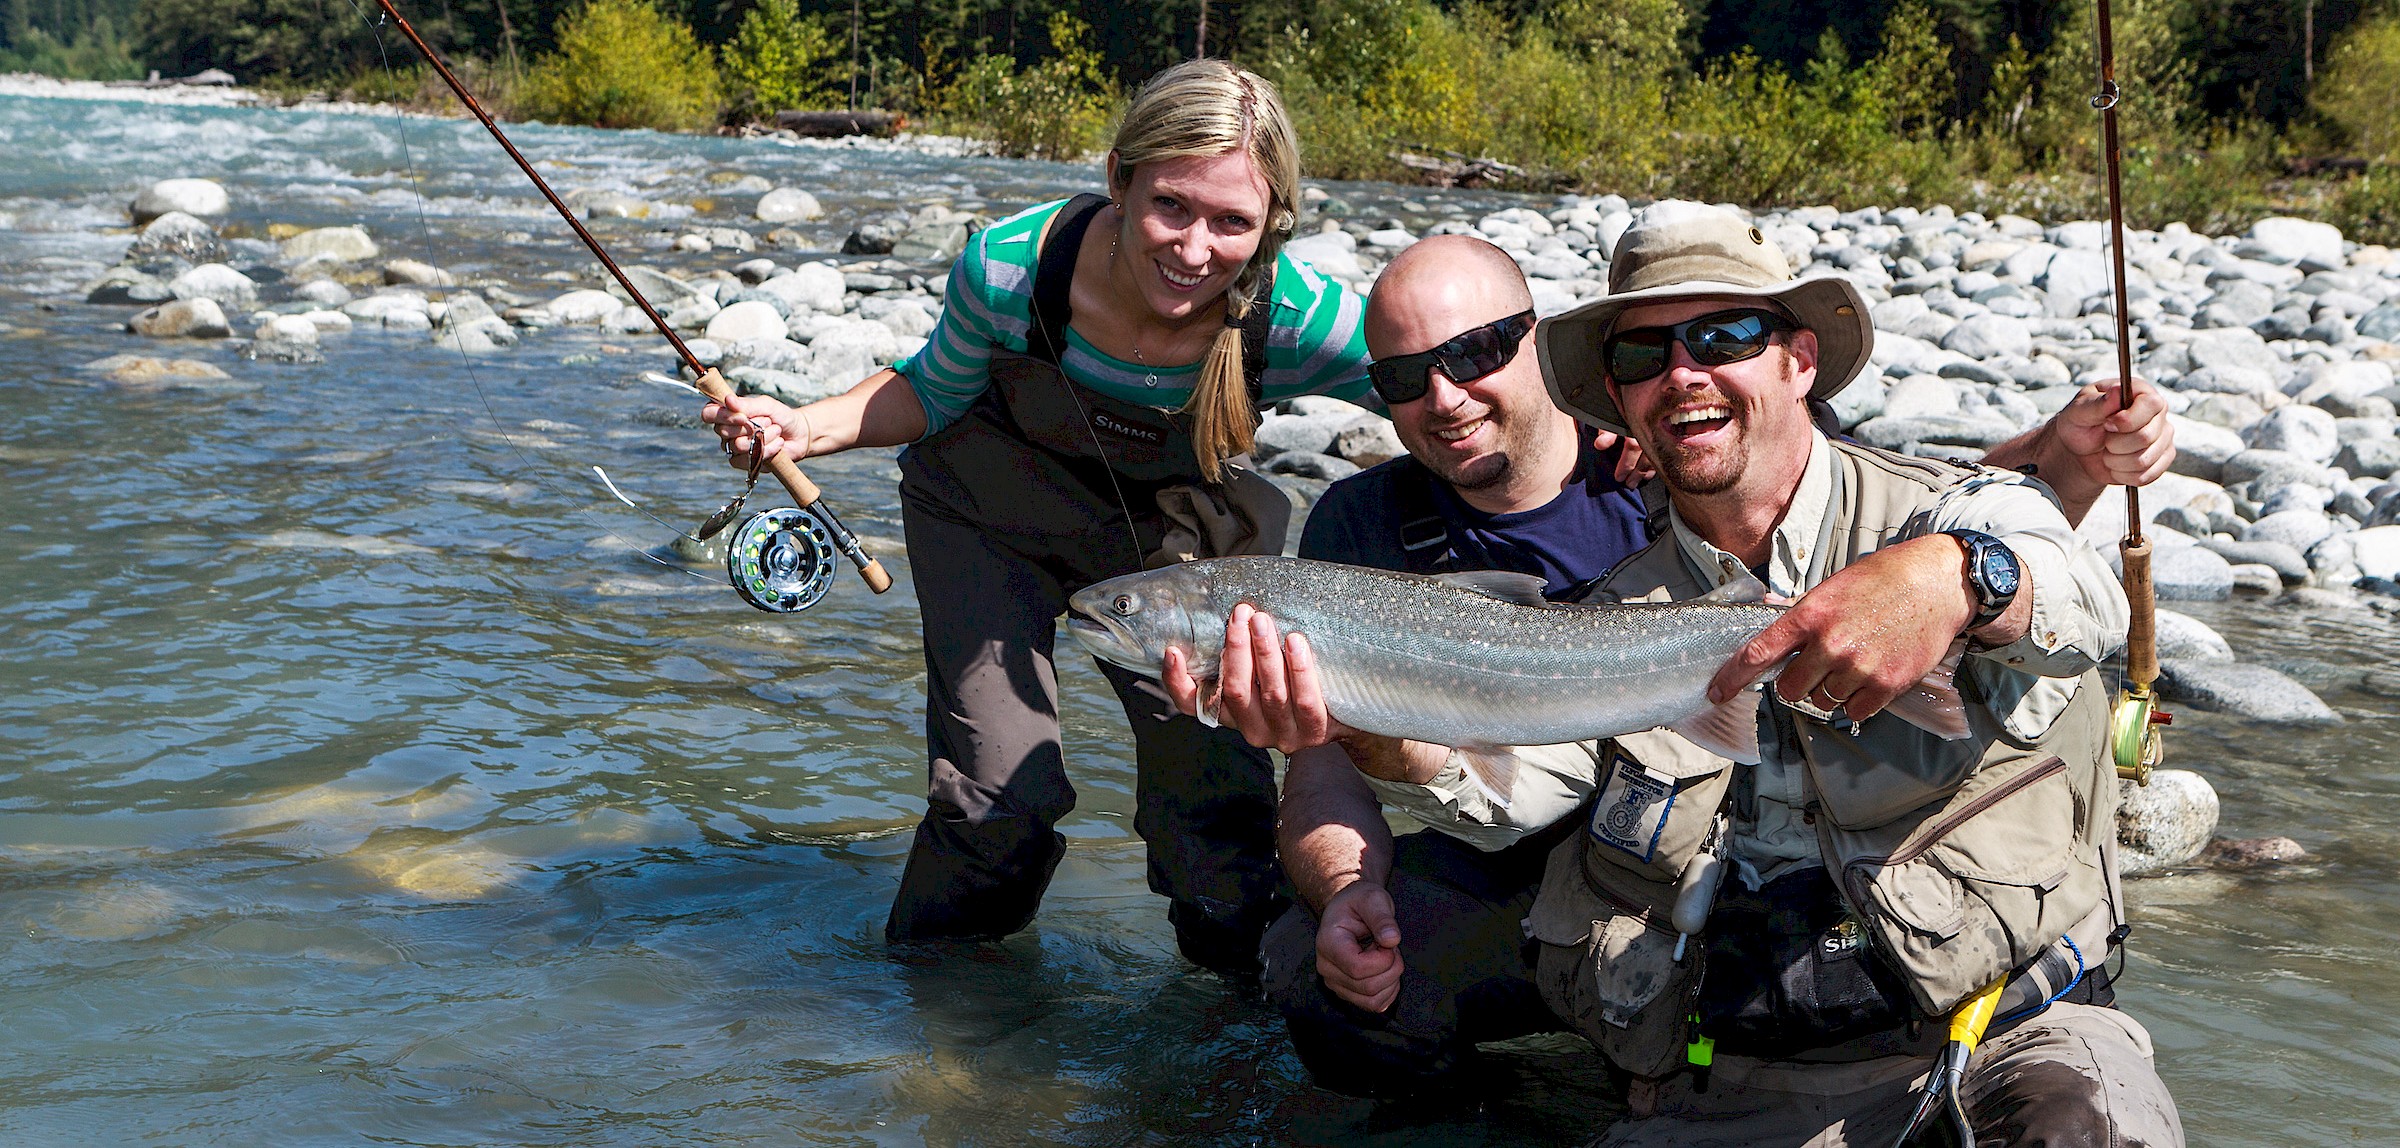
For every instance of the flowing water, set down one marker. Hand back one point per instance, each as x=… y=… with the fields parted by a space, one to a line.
x=361 y=781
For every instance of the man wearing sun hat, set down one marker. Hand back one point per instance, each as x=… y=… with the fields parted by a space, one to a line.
x=1772 y=945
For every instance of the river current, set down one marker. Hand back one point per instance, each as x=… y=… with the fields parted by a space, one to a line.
x=360 y=780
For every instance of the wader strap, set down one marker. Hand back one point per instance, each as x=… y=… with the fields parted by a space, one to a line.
x=1254 y=338
x=1054 y=276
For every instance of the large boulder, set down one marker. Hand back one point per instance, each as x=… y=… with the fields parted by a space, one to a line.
x=755 y=319
x=2298 y=529
x=189 y=196
x=2187 y=638
x=177 y=238
x=2072 y=277
x=788 y=205
x=335 y=244
x=198 y=318
x=2282 y=239
x=230 y=289
x=2243 y=690
x=2191 y=574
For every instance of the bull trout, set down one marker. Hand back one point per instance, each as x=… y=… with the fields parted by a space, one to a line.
x=1479 y=662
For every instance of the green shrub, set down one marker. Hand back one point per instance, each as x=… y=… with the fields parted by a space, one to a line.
x=1057 y=109
x=781 y=59
x=2367 y=208
x=94 y=53
x=623 y=64
x=2360 y=91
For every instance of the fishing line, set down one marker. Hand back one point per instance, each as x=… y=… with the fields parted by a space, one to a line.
x=534 y=466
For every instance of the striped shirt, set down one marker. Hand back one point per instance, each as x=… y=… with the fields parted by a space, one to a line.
x=1316 y=343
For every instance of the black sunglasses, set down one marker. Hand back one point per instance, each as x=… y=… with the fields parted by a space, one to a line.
x=1465 y=358
x=1713 y=339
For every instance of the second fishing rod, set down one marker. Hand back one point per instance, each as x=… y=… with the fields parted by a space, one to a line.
x=776 y=561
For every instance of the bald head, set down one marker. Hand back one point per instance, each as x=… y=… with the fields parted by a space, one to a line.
x=1456 y=276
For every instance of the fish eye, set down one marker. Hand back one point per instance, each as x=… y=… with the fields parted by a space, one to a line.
x=1125 y=605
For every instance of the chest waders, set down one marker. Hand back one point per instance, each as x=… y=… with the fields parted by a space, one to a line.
x=1042 y=488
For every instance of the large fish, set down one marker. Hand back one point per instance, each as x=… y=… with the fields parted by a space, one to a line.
x=1476 y=661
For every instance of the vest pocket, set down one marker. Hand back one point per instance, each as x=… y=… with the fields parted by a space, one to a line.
x=1606 y=968
x=1977 y=889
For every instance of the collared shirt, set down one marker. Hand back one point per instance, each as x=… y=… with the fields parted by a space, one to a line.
x=1552 y=781
x=2078 y=614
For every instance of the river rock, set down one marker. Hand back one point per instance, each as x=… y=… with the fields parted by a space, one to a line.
x=2305 y=431
x=337 y=244
x=138 y=370
x=1920 y=396
x=2273 y=467
x=2252 y=852
x=2376 y=550
x=2285 y=560
x=937 y=241
x=599 y=203
x=230 y=289
x=2243 y=690
x=177 y=237
x=1368 y=441
x=2185 y=638
x=2165 y=823
x=2282 y=239
x=127 y=285
x=876 y=235
x=755 y=319
x=1305 y=433
x=2375 y=457
x=1334 y=253
x=2297 y=529
x=2231 y=347
x=2202 y=448
x=285 y=339
x=809 y=287
x=776 y=354
x=1978 y=431
x=2191 y=574
x=2072 y=277
x=468 y=324
x=586 y=306
x=199 y=318
x=1309 y=464
x=411 y=273
x=904 y=314
x=382 y=305
x=852 y=351
x=189 y=196
x=2381 y=323
x=321 y=292
x=788 y=205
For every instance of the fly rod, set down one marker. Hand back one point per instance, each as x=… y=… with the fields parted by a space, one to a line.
x=712 y=384
x=2134 y=726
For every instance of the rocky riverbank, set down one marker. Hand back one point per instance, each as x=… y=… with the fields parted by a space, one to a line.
x=2276 y=350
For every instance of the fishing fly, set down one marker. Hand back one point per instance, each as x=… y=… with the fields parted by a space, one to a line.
x=779 y=560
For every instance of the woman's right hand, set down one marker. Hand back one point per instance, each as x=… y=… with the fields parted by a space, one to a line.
x=746 y=423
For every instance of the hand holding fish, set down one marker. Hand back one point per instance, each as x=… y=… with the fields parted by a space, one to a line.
x=1358 y=947
x=1870 y=632
x=1267 y=686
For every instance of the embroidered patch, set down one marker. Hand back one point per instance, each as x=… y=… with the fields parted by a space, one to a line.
x=1632 y=809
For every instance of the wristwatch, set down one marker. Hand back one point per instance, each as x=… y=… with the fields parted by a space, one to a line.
x=1992 y=573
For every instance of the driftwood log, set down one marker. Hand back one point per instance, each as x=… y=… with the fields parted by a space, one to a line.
x=1454 y=170
x=837 y=123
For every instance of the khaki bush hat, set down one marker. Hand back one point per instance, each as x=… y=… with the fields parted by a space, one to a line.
x=1682 y=250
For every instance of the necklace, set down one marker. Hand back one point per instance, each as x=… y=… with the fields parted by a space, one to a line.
x=1149 y=376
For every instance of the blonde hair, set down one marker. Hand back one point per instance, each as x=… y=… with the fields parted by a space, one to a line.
x=1205 y=108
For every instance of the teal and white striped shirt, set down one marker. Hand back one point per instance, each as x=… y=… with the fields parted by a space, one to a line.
x=1316 y=344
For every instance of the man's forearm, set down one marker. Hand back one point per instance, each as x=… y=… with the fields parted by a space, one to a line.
x=1394 y=759
x=2039 y=453
x=1331 y=831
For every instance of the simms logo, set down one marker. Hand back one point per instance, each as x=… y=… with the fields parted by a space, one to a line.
x=1123 y=429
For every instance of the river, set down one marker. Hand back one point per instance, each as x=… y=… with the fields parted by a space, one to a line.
x=361 y=781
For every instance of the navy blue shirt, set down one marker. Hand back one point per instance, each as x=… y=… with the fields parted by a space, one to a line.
x=1592 y=525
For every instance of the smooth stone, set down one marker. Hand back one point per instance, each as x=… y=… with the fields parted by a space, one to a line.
x=420 y=321
x=2202 y=448
x=2186 y=638
x=1309 y=464
x=754 y=295
x=585 y=306
x=1331 y=252
x=380 y=306
x=1306 y=434
x=128 y=285
x=2074 y=276
x=788 y=205
x=2230 y=411
x=790 y=387
x=2165 y=823
x=756 y=271
x=2298 y=496
x=189 y=196
x=2231 y=347
x=322 y=292
x=938 y=242
x=876 y=236
x=2376 y=550
x=2287 y=240
x=2256 y=578
x=728 y=239
x=773 y=354
x=596 y=203
x=1863 y=399
x=177 y=236
x=2228 y=380
x=2191 y=574
x=285 y=339
x=2381 y=323
x=1990 y=336
x=2278 y=468
x=2252 y=852
x=902 y=313
x=853 y=350
x=2376 y=458
x=230 y=289
x=411 y=273
x=2321 y=598
x=2243 y=690
x=2297 y=529
x=2241 y=302
x=749 y=320
x=2283 y=323
x=1920 y=396
x=808 y=287
x=2283 y=558
x=340 y=244
x=1976 y=372
x=868 y=282
x=1890 y=433
x=1369 y=441
x=199 y=318
x=139 y=369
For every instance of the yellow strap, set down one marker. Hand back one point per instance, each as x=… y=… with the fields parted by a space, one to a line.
x=1971 y=1017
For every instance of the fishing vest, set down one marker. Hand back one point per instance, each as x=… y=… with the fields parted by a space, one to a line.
x=1964 y=861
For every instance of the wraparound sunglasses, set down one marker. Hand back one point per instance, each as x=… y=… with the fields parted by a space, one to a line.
x=1714 y=340
x=1464 y=358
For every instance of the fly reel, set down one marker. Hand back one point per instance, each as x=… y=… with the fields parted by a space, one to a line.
x=781 y=560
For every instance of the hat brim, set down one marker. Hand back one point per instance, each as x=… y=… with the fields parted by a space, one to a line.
x=1576 y=373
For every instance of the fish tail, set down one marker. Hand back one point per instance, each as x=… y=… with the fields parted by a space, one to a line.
x=1493 y=769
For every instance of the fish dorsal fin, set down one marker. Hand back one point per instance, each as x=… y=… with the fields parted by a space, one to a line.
x=1744 y=590
x=1522 y=589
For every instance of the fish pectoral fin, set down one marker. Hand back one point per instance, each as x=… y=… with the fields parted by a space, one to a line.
x=1933 y=704
x=1522 y=589
x=1493 y=769
x=1209 y=694
x=1744 y=590
x=1729 y=731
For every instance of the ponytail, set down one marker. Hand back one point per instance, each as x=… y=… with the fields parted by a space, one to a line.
x=1222 y=419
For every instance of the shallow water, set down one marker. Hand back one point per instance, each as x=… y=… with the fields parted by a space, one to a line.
x=361 y=781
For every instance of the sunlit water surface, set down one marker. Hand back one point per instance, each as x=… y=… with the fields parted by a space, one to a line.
x=361 y=781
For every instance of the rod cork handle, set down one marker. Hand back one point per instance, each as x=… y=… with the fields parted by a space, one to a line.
x=2141 y=632
x=805 y=494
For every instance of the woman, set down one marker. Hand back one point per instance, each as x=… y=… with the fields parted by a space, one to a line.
x=1092 y=354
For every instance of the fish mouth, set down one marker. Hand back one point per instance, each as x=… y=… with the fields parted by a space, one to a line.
x=1108 y=641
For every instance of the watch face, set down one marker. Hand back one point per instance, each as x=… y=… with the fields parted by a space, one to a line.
x=2000 y=571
